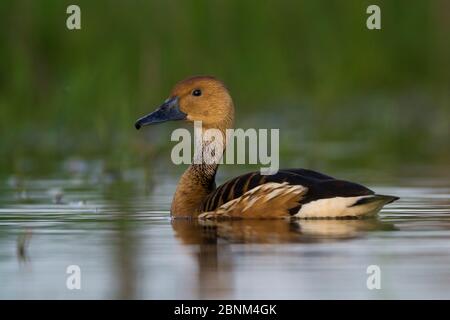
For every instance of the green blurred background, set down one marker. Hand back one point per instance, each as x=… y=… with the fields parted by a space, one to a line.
x=342 y=95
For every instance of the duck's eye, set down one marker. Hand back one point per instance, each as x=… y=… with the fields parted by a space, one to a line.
x=197 y=92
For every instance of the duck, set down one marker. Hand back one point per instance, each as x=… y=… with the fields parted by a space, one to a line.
x=289 y=193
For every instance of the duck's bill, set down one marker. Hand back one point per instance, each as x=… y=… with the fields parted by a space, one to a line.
x=169 y=111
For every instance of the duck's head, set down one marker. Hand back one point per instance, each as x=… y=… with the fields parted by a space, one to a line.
x=201 y=98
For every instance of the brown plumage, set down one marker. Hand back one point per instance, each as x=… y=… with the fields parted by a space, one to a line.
x=268 y=200
x=290 y=192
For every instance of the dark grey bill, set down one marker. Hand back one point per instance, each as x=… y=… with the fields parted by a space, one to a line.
x=169 y=111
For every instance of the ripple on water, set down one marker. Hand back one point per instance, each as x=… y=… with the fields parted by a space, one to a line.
x=119 y=231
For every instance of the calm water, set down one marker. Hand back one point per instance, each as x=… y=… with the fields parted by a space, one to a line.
x=117 y=229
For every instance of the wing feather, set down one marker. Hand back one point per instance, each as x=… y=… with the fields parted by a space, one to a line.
x=269 y=200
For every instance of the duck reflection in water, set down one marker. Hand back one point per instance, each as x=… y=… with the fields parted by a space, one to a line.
x=209 y=242
x=192 y=231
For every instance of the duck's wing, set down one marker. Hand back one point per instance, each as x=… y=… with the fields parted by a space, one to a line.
x=268 y=200
x=281 y=194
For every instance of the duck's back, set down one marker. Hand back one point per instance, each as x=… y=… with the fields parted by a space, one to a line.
x=310 y=186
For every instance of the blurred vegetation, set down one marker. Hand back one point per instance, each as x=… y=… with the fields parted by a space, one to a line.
x=310 y=68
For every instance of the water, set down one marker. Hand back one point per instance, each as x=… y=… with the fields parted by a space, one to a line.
x=116 y=228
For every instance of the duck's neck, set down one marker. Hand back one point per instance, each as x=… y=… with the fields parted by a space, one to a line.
x=199 y=179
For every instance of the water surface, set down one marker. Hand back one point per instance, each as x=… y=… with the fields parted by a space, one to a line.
x=117 y=229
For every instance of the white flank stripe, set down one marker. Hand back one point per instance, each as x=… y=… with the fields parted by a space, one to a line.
x=338 y=207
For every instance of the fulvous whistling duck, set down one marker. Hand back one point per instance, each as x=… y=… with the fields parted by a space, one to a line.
x=299 y=193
